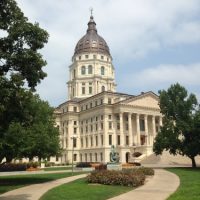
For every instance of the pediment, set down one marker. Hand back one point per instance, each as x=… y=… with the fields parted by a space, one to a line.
x=147 y=100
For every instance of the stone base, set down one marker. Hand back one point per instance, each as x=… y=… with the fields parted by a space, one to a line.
x=114 y=166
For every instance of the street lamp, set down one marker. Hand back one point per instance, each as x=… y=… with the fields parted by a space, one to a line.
x=73 y=138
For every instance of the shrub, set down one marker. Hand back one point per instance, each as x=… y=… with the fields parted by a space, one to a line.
x=137 y=154
x=101 y=167
x=83 y=164
x=8 y=167
x=111 y=177
x=144 y=170
x=32 y=164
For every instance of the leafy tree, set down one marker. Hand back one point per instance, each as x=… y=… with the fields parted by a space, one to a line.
x=180 y=133
x=20 y=44
x=26 y=122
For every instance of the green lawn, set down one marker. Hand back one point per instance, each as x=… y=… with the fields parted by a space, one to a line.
x=58 y=168
x=80 y=190
x=8 y=183
x=190 y=184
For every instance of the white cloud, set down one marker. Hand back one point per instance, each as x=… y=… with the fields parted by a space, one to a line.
x=162 y=76
x=132 y=28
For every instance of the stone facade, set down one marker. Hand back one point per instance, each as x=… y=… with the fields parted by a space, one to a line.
x=96 y=116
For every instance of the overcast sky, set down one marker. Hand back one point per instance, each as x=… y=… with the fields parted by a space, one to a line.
x=154 y=43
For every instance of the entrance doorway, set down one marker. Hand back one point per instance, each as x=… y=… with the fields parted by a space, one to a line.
x=127 y=156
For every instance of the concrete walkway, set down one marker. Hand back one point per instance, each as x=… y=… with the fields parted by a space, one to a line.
x=35 y=191
x=159 y=187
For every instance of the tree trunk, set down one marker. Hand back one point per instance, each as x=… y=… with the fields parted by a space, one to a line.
x=193 y=162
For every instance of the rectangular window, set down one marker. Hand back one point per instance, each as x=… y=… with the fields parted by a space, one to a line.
x=86 y=56
x=109 y=116
x=96 y=103
x=109 y=101
x=75 y=123
x=101 y=156
x=75 y=109
x=91 y=128
x=96 y=127
x=83 y=90
x=127 y=140
x=81 y=142
x=110 y=140
x=86 y=107
x=101 y=117
x=101 y=126
x=86 y=141
x=102 y=57
x=91 y=141
x=90 y=90
x=118 y=126
x=90 y=105
x=86 y=129
x=74 y=142
x=118 y=139
x=102 y=140
x=127 y=127
x=75 y=157
x=142 y=126
x=110 y=125
x=96 y=140
x=75 y=130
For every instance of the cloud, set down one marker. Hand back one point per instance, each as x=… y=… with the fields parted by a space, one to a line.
x=162 y=76
x=133 y=29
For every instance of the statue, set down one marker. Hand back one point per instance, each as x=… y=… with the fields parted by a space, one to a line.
x=114 y=156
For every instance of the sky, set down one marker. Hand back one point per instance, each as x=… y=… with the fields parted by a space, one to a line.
x=154 y=43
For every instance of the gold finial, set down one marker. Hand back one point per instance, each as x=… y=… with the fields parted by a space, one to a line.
x=91 y=10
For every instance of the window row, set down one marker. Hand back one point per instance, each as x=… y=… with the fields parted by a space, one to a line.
x=89 y=157
x=89 y=70
x=94 y=57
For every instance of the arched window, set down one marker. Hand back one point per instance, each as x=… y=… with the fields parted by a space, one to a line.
x=103 y=88
x=102 y=70
x=83 y=70
x=90 y=69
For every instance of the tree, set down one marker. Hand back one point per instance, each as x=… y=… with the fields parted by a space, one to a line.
x=19 y=47
x=180 y=133
x=26 y=122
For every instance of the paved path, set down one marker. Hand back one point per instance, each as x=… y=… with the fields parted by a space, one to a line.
x=35 y=191
x=159 y=187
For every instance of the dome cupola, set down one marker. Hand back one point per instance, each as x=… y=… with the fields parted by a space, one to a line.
x=91 y=42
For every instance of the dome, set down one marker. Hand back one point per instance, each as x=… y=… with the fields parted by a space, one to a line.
x=91 y=42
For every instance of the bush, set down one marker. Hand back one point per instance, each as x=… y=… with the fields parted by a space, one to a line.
x=8 y=167
x=144 y=170
x=101 y=167
x=49 y=164
x=137 y=154
x=111 y=177
x=32 y=164
x=83 y=164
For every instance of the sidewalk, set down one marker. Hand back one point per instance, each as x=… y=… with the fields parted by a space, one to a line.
x=35 y=191
x=159 y=187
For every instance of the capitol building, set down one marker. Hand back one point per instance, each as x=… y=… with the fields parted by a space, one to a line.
x=96 y=116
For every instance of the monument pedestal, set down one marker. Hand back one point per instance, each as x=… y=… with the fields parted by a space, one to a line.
x=114 y=166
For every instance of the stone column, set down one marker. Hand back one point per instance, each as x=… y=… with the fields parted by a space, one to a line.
x=138 y=129
x=121 y=129
x=146 y=130
x=105 y=128
x=160 y=121
x=153 y=129
x=130 y=132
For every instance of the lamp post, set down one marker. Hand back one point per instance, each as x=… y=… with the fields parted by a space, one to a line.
x=73 y=138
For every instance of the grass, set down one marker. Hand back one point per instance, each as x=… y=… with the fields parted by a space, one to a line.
x=80 y=190
x=189 y=188
x=8 y=183
x=58 y=168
